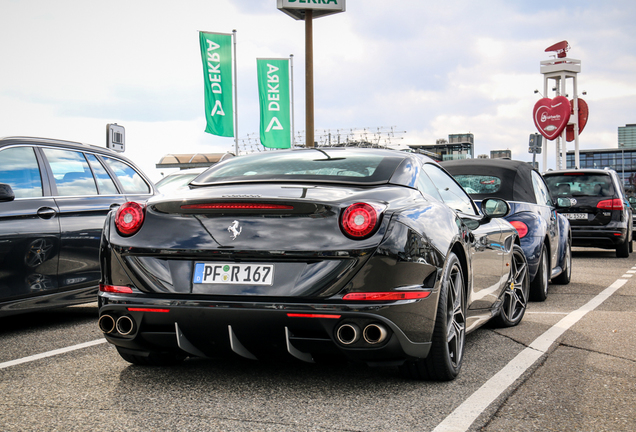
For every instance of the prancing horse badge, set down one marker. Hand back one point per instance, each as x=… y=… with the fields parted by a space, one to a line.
x=235 y=230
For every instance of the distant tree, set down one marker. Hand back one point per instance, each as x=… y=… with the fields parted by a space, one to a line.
x=441 y=141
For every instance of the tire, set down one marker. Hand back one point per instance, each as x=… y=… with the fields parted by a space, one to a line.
x=566 y=275
x=444 y=360
x=153 y=359
x=622 y=250
x=516 y=292
x=539 y=285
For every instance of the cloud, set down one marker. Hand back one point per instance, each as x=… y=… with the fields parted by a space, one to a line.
x=430 y=69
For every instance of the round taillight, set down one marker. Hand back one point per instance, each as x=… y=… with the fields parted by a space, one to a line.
x=359 y=220
x=129 y=218
x=521 y=228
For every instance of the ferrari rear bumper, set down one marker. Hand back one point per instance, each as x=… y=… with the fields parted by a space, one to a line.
x=259 y=330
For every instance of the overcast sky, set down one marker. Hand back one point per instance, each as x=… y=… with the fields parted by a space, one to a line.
x=427 y=69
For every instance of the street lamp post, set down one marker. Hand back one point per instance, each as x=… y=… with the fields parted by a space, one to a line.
x=622 y=146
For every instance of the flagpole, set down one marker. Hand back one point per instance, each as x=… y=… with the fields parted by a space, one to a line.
x=236 y=152
x=291 y=75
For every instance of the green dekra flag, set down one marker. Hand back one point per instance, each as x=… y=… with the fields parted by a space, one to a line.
x=273 y=92
x=216 y=53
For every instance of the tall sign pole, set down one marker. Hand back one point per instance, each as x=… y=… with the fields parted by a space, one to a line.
x=301 y=10
x=309 y=79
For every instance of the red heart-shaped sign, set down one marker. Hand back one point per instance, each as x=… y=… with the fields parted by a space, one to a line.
x=551 y=116
x=583 y=113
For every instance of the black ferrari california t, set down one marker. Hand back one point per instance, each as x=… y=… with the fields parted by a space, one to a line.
x=377 y=256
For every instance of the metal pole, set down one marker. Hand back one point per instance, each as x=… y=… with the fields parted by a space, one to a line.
x=622 y=146
x=577 y=160
x=545 y=147
x=309 y=79
x=236 y=153
x=293 y=131
x=564 y=141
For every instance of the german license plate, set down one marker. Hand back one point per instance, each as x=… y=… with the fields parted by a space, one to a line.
x=575 y=215
x=234 y=274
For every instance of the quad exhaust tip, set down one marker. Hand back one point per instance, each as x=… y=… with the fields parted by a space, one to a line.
x=348 y=334
x=374 y=334
x=125 y=325
x=106 y=323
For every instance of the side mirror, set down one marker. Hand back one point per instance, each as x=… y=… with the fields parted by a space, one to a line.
x=6 y=193
x=495 y=207
x=491 y=208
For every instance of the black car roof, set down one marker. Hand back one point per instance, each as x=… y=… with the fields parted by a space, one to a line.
x=13 y=140
x=402 y=172
x=598 y=171
x=516 y=178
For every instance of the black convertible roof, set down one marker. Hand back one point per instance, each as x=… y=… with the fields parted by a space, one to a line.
x=516 y=180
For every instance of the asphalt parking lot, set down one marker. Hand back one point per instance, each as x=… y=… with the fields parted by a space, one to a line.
x=583 y=382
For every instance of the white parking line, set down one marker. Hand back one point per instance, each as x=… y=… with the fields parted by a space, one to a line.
x=465 y=414
x=51 y=353
x=547 y=313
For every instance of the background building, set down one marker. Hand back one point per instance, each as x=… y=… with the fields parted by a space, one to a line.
x=621 y=161
x=458 y=146
x=500 y=154
x=627 y=135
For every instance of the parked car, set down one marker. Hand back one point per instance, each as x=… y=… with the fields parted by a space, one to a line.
x=600 y=214
x=178 y=179
x=632 y=204
x=545 y=235
x=54 y=198
x=377 y=255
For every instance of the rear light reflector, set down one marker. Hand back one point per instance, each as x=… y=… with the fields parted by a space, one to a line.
x=140 y=309
x=129 y=218
x=387 y=296
x=236 y=206
x=312 y=315
x=610 y=204
x=359 y=220
x=115 y=289
x=521 y=228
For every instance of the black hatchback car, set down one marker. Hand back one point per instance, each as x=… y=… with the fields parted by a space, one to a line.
x=54 y=197
x=600 y=215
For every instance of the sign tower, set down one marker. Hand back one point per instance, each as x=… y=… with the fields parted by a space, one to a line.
x=568 y=126
x=307 y=10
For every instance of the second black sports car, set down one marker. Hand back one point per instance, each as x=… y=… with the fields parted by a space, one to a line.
x=375 y=255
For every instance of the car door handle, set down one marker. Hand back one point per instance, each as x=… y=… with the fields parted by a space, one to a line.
x=46 y=212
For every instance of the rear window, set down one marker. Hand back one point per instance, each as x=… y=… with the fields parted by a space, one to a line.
x=580 y=184
x=478 y=184
x=326 y=165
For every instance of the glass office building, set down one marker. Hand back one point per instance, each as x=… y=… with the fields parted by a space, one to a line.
x=627 y=135
x=623 y=162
